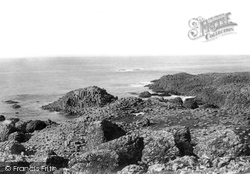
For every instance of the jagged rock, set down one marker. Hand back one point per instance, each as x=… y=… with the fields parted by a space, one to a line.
x=129 y=149
x=177 y=101
x=190 y=103
x=132 y=169
x=5 y=131
x=17 y=136
x=182 y=139
x=102 y=131
x=2 y=118
x=75 y=101
x=95 y=161
x=145 y=94
x=156 y=168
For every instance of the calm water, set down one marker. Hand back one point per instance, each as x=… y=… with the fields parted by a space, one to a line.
x=38 y=81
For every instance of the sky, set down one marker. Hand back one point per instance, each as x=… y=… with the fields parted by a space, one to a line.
x=48 y=28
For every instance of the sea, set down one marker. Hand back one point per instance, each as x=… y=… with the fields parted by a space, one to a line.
x=34 y=82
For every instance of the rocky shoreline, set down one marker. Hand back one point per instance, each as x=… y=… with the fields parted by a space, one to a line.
x=138 y=135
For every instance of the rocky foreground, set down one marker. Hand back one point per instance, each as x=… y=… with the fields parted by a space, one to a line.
x=133 y=135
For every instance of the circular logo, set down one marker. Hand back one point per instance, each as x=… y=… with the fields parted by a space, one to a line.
x=7 y=168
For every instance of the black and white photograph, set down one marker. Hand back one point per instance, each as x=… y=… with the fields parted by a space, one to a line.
x=124 y=87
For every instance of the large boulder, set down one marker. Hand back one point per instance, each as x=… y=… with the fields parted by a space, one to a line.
x=177 y=101
x=14 y=147
x=99 y=132
x=75 y=101
x=5 y=131
x=32 y=125
x=129 y=149
x=17 y=136
x=35 y=125
x=190 y=103
x=182 y=139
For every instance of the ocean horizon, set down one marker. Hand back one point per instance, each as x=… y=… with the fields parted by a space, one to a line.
x=34 y=82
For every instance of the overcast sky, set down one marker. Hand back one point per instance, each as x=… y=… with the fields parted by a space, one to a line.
x=32 y=28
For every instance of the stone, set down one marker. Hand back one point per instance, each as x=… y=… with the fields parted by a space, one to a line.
x=190 y=103
x=177 y=101
x=182 y=138
x=35 y=125
x=145 y=94
x=129 y=148
x=2 y=118
x=17 y=136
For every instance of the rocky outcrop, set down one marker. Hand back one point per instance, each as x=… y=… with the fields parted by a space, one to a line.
x=75 y=101
x=227 y=90
x=32 y=125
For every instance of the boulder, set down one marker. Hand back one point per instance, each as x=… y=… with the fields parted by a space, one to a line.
x=15 y=148
x=75 y=101
x=5 y=131
x=129 y=149
x=14 y=120
x=190 y=103
x=16 y=106
x=2 y=118
x=17 y=136
x=177 y=101
x=35 y=125
x=95 y=161
x=99 y=132
x=30 y=126
x=145 y=94
x=182 y=139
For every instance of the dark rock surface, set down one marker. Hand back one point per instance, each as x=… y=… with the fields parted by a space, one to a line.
x=145 y=94
x=2 y=118
x=190 y=103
